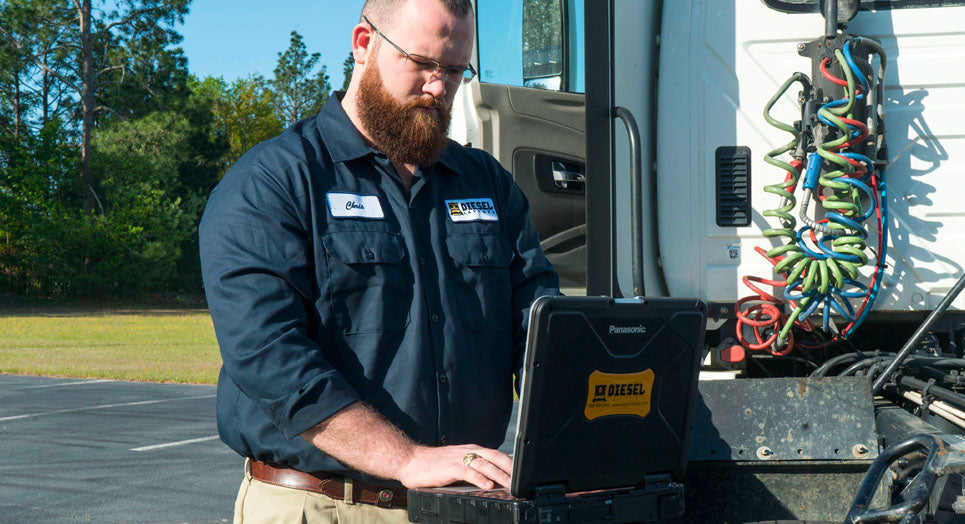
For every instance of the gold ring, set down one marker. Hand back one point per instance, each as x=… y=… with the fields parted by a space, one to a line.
x=468 y=458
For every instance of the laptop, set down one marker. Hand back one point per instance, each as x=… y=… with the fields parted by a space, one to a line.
x=607 y=401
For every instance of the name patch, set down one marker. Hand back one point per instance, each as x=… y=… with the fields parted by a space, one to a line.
x=348 y=205
x=472 y=210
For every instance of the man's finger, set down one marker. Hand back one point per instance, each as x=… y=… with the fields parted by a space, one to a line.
x=478 y=479
x=491 y=471
x=500 y=460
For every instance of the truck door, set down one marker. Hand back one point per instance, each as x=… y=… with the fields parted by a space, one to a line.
x=528 y=111
x=696 y=75
x=621 y=46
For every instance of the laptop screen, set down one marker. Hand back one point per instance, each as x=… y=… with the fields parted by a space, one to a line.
x=608 y=392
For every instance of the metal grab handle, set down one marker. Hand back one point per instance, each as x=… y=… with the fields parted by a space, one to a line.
x=918 y=490
x=636 y=200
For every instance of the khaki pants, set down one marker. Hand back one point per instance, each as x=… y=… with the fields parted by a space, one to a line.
x=260 y=503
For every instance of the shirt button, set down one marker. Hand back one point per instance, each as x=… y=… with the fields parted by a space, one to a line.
x=486 y=257
x=442 y=439
x=435 y=318
x=369 y=255
x=442 y=379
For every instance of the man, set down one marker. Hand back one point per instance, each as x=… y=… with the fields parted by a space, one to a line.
x=369 y=282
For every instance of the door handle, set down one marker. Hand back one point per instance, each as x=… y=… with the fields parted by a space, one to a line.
x=559 y=176
x=568 y=177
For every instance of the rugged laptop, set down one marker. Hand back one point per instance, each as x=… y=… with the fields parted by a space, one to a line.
x=607 y=402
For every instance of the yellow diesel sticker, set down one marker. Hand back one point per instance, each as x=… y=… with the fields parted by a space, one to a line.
x=618 y=394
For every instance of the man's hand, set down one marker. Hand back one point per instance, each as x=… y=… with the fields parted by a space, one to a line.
x=432 y=467
x=361 y=438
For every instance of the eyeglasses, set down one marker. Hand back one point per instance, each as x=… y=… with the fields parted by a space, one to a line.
x=420 y=64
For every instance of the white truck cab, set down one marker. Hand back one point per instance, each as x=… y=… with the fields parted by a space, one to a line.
x=637 y=130
x=695 y=76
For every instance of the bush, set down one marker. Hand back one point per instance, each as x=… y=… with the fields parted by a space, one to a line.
x=131 y=245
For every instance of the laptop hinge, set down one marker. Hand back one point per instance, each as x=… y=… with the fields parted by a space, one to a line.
x=651 y=482
x=550 y=492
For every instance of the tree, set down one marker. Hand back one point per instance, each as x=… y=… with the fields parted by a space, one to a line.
x=15 y=68
x=37 y=215
x=150 y=215
x=102 y=54
x=99 y=89
x=347 y=67
x=243 y=114
x=297 y=92
x=207 y=144
x=52 y=47
x=33 y=23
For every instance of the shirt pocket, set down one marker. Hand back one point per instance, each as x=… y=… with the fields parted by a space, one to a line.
x=484 y=294
x=370 y=286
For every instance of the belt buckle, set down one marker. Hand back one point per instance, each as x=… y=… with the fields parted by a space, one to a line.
x=383 y=498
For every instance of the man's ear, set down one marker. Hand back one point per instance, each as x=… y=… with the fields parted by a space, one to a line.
x=362 y=40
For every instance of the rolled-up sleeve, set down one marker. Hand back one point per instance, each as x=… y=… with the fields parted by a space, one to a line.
x=260 y=281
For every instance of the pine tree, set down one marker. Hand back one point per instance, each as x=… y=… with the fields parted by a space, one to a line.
x=298 y=91
x=103 y=53
x=347 y=67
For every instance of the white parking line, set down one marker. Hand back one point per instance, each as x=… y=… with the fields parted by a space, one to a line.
x=178 y=443
x=59 y=384
x=102 y=406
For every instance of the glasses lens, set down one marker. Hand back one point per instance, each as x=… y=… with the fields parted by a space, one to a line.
x=454 y=75
x=422 y=65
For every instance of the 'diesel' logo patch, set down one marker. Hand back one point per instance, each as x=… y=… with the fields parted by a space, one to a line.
x=618 y=394
x=472 y=210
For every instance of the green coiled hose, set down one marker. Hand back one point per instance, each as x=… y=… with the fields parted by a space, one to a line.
x=816 y=273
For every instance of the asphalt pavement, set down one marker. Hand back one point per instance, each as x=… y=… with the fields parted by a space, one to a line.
x=74 y=450
x=109 y=451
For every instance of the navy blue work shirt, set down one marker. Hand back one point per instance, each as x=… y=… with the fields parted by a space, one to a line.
x=328 y=282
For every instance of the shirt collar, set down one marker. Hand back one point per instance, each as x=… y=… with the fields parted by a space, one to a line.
x=343 y=140
x=450 y=157
x=346 y=143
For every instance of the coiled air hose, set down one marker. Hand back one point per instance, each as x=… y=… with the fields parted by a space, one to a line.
x=763 y=311
x=821 y=271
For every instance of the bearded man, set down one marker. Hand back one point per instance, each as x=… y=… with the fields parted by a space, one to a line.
x=369 y=282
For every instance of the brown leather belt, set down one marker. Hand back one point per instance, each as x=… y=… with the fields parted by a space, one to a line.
x=329 y=485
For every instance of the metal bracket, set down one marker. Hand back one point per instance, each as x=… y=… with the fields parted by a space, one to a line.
x=946 y=455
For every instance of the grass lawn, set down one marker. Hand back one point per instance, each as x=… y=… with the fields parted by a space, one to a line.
x=136 y=344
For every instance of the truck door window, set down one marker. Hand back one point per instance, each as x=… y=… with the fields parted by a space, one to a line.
x=532 y=43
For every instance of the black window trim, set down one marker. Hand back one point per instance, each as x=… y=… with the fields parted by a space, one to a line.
x=814 y=6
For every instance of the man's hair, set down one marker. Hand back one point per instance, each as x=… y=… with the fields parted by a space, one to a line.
x=380 y=11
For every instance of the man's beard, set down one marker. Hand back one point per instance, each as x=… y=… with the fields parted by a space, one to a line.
x=403 y=131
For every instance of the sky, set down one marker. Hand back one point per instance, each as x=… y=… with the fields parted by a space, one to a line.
x=235 y=38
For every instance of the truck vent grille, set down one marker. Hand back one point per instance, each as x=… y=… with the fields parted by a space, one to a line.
x=733 y=186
